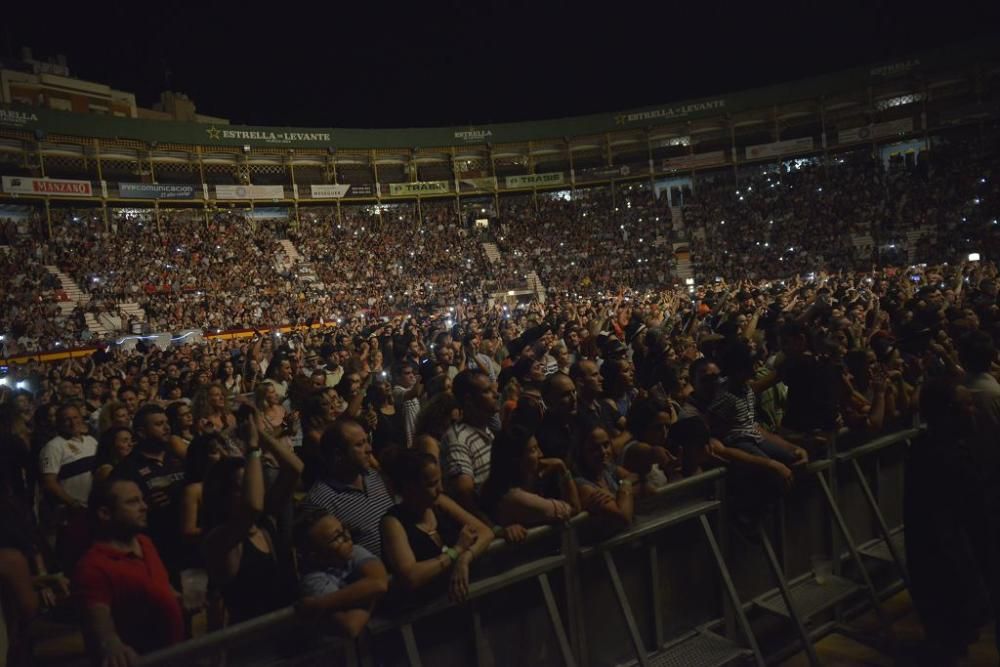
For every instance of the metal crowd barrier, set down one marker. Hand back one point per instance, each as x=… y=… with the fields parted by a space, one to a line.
x=812 y=595
x=593 y=584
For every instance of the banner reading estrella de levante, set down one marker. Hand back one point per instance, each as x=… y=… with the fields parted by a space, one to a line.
x=155 y=191
x=47 y=186
x=534 y=180
x=419 y=188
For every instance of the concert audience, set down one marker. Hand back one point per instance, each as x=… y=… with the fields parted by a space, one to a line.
x=394 y=382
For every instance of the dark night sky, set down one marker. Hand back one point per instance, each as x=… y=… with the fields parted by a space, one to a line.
x=443 y=63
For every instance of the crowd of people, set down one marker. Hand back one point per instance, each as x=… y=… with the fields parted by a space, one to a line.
x=362 y=467
x=226 y=269
x=361 y=462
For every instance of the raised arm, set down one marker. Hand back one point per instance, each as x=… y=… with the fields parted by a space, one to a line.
x=220 y=547
x=290 y=468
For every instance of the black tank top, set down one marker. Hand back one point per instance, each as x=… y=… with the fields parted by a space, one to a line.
x=423 y=545
x=261 y=585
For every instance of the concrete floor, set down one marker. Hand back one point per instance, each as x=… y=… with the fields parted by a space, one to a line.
x=63 y=646
x=838 y=650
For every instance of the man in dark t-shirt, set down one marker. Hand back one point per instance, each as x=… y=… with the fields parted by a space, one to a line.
x=813 y=383
x=160 y=476
x=559 y=432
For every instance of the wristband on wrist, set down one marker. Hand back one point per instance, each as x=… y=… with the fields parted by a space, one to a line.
x=254 y=453
x=451 y=552
x=626 y=482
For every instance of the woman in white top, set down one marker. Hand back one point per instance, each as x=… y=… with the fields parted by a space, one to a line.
x=230 y=379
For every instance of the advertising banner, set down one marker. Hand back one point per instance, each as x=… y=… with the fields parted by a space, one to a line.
x=473 y=135
x=364 y=190
x=672 y=112
x=485 y=184
x=47 y=186
x=249 y=192
x=780 y=148
x=875 y=131
x=534 y=180
x=329 y=191
x=695 y=160
x=267 y=136
x=419 y=188
x=155 y=191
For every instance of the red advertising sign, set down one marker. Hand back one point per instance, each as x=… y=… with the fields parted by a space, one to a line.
x=47 y=186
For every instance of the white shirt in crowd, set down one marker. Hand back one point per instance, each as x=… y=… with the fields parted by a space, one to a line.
x=72 y=462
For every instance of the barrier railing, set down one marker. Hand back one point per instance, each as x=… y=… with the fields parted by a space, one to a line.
x=694 y=501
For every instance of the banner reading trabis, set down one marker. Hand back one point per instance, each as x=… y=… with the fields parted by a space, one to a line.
x=419 y=188
x=533 y=180
x=47 y=186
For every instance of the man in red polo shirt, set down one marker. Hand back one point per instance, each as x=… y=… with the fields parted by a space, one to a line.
x=128 y=604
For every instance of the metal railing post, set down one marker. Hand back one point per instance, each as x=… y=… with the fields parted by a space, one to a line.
x=574 y=594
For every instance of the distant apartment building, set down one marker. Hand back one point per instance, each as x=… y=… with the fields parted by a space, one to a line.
x=49 y=84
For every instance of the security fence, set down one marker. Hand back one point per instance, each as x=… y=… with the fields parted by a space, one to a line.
x=680 y=587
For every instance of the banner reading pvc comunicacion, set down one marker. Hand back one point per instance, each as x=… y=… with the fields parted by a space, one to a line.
x=155 y=191
x=47 y=186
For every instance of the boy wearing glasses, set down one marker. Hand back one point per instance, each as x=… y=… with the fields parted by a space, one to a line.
x=340 y=579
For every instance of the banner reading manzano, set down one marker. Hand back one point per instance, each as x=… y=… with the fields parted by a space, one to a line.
x=155 y=191
x=533 y=180
x=47 y=186
x=419 y=188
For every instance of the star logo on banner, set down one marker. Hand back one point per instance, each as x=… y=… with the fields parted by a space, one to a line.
x=213 y=133
x=620 y=119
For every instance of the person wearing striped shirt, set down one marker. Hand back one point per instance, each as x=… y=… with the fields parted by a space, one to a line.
x=406 y=394
x=465 y=447
x=348 y=487
x=732 y=413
